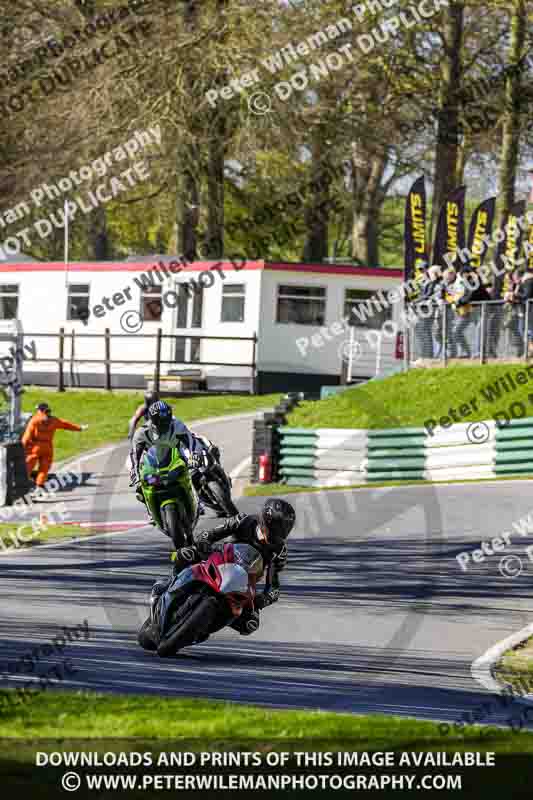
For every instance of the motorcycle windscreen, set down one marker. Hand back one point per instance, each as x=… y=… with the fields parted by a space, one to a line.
x=157 y=458
x=248 y=558
x=233 y=579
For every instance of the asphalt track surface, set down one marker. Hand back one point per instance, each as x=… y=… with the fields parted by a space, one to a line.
x=375 y=616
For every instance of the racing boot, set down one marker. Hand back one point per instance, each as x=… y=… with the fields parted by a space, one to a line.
x=147 y=636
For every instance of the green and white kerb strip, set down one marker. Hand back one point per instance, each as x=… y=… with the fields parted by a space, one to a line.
x=339 y=457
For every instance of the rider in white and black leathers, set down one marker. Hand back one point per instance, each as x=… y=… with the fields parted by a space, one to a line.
x=164 y=430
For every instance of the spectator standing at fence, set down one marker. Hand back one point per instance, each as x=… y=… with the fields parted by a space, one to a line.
x=431 y=298
x=479 y=297
x=524 y=294
x=38 y=441
x=511 y=313
x=449 y=295
x=424 y=349
x=461 y=292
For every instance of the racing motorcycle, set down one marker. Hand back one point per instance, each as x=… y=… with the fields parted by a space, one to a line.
x=169 y=494
x=213 y=485
x=204 y=598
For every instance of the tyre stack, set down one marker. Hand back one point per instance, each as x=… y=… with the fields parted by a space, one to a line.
x=266 y=438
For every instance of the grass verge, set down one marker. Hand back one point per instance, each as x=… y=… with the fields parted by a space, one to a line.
x=411 y=398
x=515 y=668
x=108 y=413
x=97 y=716
x=48 y=533
x=271 y=489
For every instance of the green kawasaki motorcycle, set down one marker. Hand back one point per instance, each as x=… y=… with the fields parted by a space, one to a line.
x=169 y=494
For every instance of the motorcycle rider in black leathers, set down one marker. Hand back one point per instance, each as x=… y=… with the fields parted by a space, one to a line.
x=266 y=531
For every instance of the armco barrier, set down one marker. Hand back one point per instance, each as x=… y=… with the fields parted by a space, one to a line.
x=339 y=457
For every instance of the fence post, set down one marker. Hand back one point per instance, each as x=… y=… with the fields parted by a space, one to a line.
x=254 y=365
x=157 y=371
x=60 y=375
x=482 y=334
x=108 y=359
x=526 y=331
x=444 y=354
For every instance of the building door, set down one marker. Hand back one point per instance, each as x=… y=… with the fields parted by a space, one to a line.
x=188 y=316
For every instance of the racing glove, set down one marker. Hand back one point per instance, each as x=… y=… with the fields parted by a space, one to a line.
x=203 y=543
x=196 y=461
x=186 y=555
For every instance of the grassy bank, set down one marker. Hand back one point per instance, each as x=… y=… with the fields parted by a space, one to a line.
x=91 y=715
x=108 y=413
x=409 y=399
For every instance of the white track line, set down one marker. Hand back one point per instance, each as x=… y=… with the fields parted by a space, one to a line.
x=481 y=668
x=240 y=467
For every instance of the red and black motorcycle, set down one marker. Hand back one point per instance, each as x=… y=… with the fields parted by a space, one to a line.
x=203 y=599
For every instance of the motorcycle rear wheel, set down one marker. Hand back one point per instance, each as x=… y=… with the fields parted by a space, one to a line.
x=197 y=616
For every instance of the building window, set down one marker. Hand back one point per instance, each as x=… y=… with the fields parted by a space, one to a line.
x=301 y=305
x=151 y=306
x=78 y=301
x=197 y=308
x=233 y=295
x=9 y=301
x=361 y=312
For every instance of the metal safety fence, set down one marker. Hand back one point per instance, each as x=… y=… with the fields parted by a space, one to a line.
x=480 y=332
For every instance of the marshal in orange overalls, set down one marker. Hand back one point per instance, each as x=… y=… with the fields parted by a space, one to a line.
x=38 y=439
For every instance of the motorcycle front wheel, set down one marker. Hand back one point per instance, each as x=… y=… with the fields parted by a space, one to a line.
x=193 y=621
x=174 y=525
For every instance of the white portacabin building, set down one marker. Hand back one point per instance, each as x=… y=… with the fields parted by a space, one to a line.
x=297 y=312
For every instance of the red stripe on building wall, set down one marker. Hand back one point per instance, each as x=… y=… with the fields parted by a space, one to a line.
x=201 y=266
x=110 y=266
x=335 y=269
